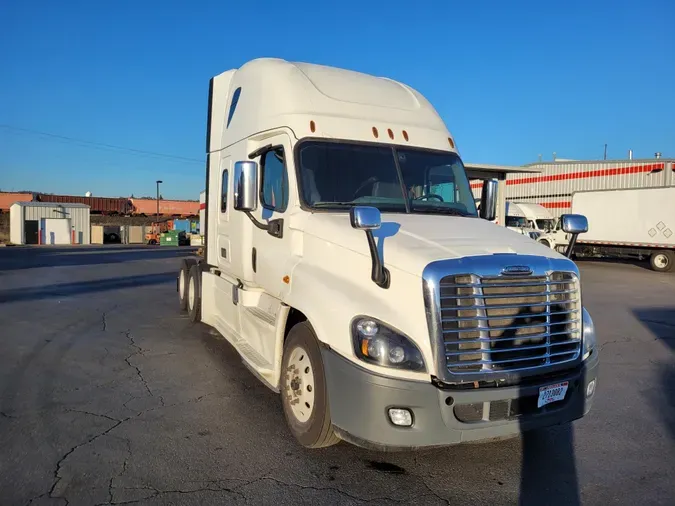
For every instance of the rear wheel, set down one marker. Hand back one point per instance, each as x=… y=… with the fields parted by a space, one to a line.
x=662 y=261
x=304 y=396
x=194 y=292
x=545 y=243
x=183 y=281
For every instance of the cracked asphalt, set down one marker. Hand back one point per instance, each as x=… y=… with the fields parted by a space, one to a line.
x=108 y=395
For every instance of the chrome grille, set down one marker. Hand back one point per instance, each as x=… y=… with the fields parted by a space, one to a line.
x=498 y=324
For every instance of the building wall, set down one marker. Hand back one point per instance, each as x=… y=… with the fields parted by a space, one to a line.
x=554 y=186
x=79 y=220
x=16 y=224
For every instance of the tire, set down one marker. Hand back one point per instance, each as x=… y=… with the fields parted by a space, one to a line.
x=194 y=302
x=182 y=282
x=545 y=243
x=311 y=426
x=152 y=242
x=662 y=260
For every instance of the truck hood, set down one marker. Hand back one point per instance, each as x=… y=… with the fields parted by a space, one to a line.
x=409 y=242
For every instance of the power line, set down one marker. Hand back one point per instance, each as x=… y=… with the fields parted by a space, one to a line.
x=101 y=145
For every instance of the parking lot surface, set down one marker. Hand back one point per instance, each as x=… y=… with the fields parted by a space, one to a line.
x=109 y=395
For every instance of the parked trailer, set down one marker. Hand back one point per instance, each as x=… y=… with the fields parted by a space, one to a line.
x=629 y=223
x=148 y=207
x=97 y=205
x=8 y=198
x=558 y=181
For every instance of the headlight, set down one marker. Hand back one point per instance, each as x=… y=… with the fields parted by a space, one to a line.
x=588 y=337
x=376 y=343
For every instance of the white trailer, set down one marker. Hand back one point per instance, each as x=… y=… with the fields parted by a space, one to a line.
x=629 y=223
x=347 y=265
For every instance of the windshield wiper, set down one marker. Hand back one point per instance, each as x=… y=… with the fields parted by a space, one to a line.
x=334 y=204
x=441 y=210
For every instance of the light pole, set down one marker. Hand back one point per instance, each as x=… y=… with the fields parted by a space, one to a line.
x=158 y=183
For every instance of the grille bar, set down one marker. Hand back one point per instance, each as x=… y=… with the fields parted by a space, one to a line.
x=481 y=285
x=517 y=338
x=530 y=315
x=509 y=360
x=512 y=327
x=509 y=306
x=520 y=348
x=500 y=324
x=503 y=296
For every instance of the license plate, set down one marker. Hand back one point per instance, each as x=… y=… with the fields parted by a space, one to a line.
x=552 y=393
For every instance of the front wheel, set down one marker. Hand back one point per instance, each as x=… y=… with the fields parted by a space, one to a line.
x=304 y=395
x=662 y=261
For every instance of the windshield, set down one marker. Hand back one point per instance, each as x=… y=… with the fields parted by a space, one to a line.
x=515 y=221
x=340 y=175
x=545 y=224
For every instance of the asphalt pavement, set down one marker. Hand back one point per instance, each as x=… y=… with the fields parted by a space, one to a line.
x=109 y=395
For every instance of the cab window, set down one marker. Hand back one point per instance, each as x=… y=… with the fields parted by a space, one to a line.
x=274 y=191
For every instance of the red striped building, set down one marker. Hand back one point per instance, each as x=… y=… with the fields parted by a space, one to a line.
x=557 y=181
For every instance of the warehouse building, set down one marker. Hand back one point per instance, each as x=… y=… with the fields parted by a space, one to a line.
x=49 y=223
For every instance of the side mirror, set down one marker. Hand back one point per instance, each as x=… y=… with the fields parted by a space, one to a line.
x=245 y=186
x=365 y=218
x=368 y=219
x=488 y=200
x=573 y=224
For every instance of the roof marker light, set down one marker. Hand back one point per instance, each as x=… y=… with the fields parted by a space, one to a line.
x=375 y=133
x=391 y=134
x=312 y=126
x=405 y=135
x=451 y=142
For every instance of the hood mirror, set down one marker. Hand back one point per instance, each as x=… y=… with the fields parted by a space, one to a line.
x=368 y=219
x=573 y=224
x=365 y=218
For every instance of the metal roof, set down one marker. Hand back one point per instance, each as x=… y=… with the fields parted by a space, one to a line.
x=624 y=160
x=48 y=204
x=507 y=169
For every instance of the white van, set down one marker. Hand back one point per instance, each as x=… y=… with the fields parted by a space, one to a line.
x=347 y=265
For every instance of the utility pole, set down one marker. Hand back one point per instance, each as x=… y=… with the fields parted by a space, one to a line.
x=158 y=183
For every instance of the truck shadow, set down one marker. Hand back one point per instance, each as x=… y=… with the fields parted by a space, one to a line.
x=387 y=229
x=660 y=321
x=84 y=287
x=21 y=258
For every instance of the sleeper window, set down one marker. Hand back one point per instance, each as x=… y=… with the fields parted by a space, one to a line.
x=274 y=192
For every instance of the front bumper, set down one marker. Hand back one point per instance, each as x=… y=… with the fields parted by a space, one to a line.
x=359 y=402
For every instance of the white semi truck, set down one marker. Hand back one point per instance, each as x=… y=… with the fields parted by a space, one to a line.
x=538 y=220
x=347 y=265
x=631 y=223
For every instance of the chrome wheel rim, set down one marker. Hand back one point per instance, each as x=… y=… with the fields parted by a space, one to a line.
x=191 y=293
x=181 y=285
x=661 y=261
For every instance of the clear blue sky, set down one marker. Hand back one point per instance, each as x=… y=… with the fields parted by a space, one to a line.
x=510 y=79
